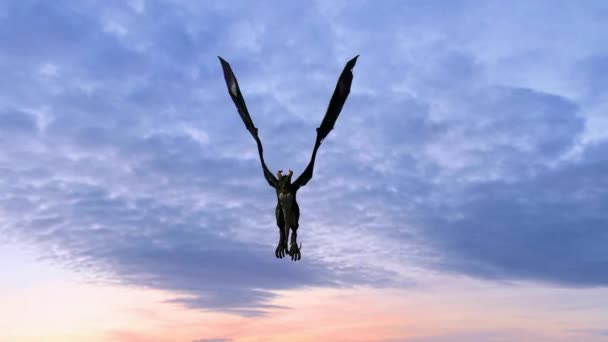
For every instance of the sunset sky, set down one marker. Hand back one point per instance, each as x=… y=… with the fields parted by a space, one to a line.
x=462 y=196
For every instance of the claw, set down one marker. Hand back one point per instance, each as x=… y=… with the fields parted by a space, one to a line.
x=280 y=251
x=295 y=253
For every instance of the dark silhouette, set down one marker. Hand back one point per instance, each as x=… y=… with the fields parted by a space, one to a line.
x=287 y=210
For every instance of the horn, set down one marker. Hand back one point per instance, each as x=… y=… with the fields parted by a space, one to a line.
x=290 y=173
x=279 y=173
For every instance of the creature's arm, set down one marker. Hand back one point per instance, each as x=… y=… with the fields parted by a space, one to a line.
x=333 y=110
x=239 y=101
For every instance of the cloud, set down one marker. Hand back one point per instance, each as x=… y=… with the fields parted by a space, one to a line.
x=491 y=336
x=548 y=227
x=114 y=182
x=146 y=233
x=122 y=153
x=17 y=122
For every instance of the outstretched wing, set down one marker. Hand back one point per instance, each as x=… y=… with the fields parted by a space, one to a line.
x=333 y=110
x=237 y=98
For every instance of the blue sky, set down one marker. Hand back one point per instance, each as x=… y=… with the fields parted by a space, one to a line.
x=472 y=144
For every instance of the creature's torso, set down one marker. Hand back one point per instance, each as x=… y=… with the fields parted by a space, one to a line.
x=286 y=201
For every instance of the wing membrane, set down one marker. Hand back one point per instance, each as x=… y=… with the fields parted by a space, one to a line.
x=235 y=93
x=331 y=115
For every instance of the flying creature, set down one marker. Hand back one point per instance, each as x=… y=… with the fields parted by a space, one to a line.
x=287 y=210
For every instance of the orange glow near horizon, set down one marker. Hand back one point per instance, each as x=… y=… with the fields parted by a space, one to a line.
x=68 y=311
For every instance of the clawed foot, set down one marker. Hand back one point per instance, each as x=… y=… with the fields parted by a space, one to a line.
x=281 y=250
x=294 y=252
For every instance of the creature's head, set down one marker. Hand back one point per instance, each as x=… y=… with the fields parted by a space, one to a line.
x=284 y=181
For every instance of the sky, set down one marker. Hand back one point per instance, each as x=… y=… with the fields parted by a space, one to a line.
x=462 y=195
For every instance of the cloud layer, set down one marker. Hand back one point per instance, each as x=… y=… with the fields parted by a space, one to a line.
x=464 y=146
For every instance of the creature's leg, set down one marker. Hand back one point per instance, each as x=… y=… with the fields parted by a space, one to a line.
x=294 y=250
x=282 y=246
